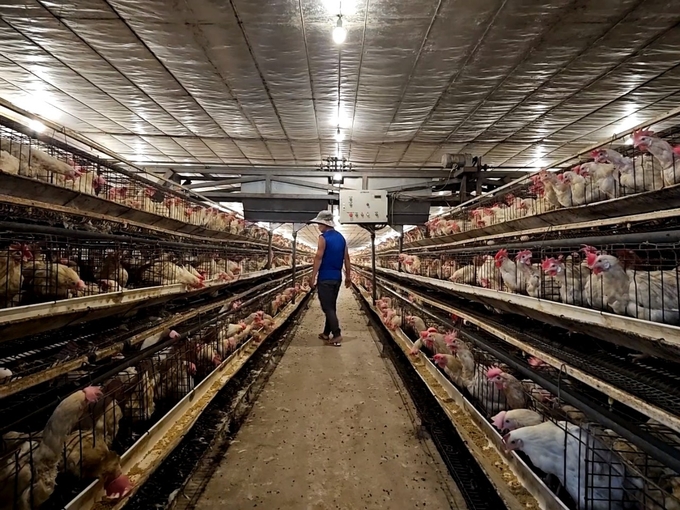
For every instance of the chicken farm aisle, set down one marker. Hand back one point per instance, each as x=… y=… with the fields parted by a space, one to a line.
x=330 y=430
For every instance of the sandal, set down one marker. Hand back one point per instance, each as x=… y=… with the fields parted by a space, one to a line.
x=335 y=342
x=323 y=337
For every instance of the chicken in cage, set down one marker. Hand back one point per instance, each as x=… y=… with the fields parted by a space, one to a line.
x=650 y=165
x=639 y=281
x=36 y=159
x=37 y=268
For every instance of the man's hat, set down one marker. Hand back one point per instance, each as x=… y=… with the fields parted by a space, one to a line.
x=324 y=218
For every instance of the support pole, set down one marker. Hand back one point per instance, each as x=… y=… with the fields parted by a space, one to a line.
x=270 y=251
x=294 y=259
x=374 y=284
x=400 y=229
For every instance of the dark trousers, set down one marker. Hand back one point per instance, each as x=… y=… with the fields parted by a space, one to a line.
x=328 y=297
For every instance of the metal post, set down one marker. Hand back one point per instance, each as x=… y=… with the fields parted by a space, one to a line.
x=270 y=251
x=294 y=259
x=401 y=248
x=373 y=290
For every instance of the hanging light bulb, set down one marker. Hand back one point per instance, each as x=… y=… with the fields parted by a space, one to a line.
x=339 y=32
x=36 y=125
x=339 y=137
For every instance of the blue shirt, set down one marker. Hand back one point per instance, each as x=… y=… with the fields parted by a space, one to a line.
x=333 y=256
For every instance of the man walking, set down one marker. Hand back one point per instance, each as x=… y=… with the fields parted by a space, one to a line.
x=331 y=254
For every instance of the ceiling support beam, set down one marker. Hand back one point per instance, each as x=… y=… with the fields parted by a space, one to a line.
x=305 y=184
x=420 y=185
x=222 y=182
x=221 y=196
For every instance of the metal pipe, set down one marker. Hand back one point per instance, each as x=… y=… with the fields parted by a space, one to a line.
x=295 y=234
x=373 y=290
x=270 y=252
x=400 y=249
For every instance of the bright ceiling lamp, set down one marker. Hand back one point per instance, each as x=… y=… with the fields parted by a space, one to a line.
x=339 y=137
x=339 y=32
x=36 y=125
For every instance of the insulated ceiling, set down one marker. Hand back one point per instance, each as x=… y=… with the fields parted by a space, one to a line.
x=255 y=82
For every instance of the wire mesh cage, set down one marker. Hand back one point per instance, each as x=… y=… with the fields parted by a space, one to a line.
x=54 y=163
x=43 y=267
x=626 y=166
x=83 y=435
x=588 y=466
x=635 y=279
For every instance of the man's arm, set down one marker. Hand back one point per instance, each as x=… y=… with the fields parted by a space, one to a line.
x=348 y=268
x=317 y=259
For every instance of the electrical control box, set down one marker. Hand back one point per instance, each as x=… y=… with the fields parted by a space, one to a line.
x=363 y=206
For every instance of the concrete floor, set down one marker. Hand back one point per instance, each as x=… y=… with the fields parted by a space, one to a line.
x=330 y=431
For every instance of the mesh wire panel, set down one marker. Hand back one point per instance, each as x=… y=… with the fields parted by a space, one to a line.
x=589 y=467
x=639 y=280
x=51 y=163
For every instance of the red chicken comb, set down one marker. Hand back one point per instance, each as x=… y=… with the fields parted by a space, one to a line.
x=591 y=258
x=118 y=488
x=576 y=169
x=523 y=253
x=588 y=249
x=493 y=372
x=547 y=263
x=438 y=357
x=501 y=254
x=423 y=334
x=637 y=136
x=498 y=420
x=676 y=150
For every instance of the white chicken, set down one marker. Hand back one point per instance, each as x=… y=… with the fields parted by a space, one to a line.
x=561 y=189
x=33 y=478
x=488 y=275
x=513 y=278
x=474 y=378
x=516 y=419
x=465 y=275
x=535 y=285
x=590 y=473
x=168 y=273
x=174 y=380
x=635 y=174
x=615 y=282
x=602 y=180
x=8 y=163
x=568 y=278
x=54 y=280
x=653 y=295
x=666 y=155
